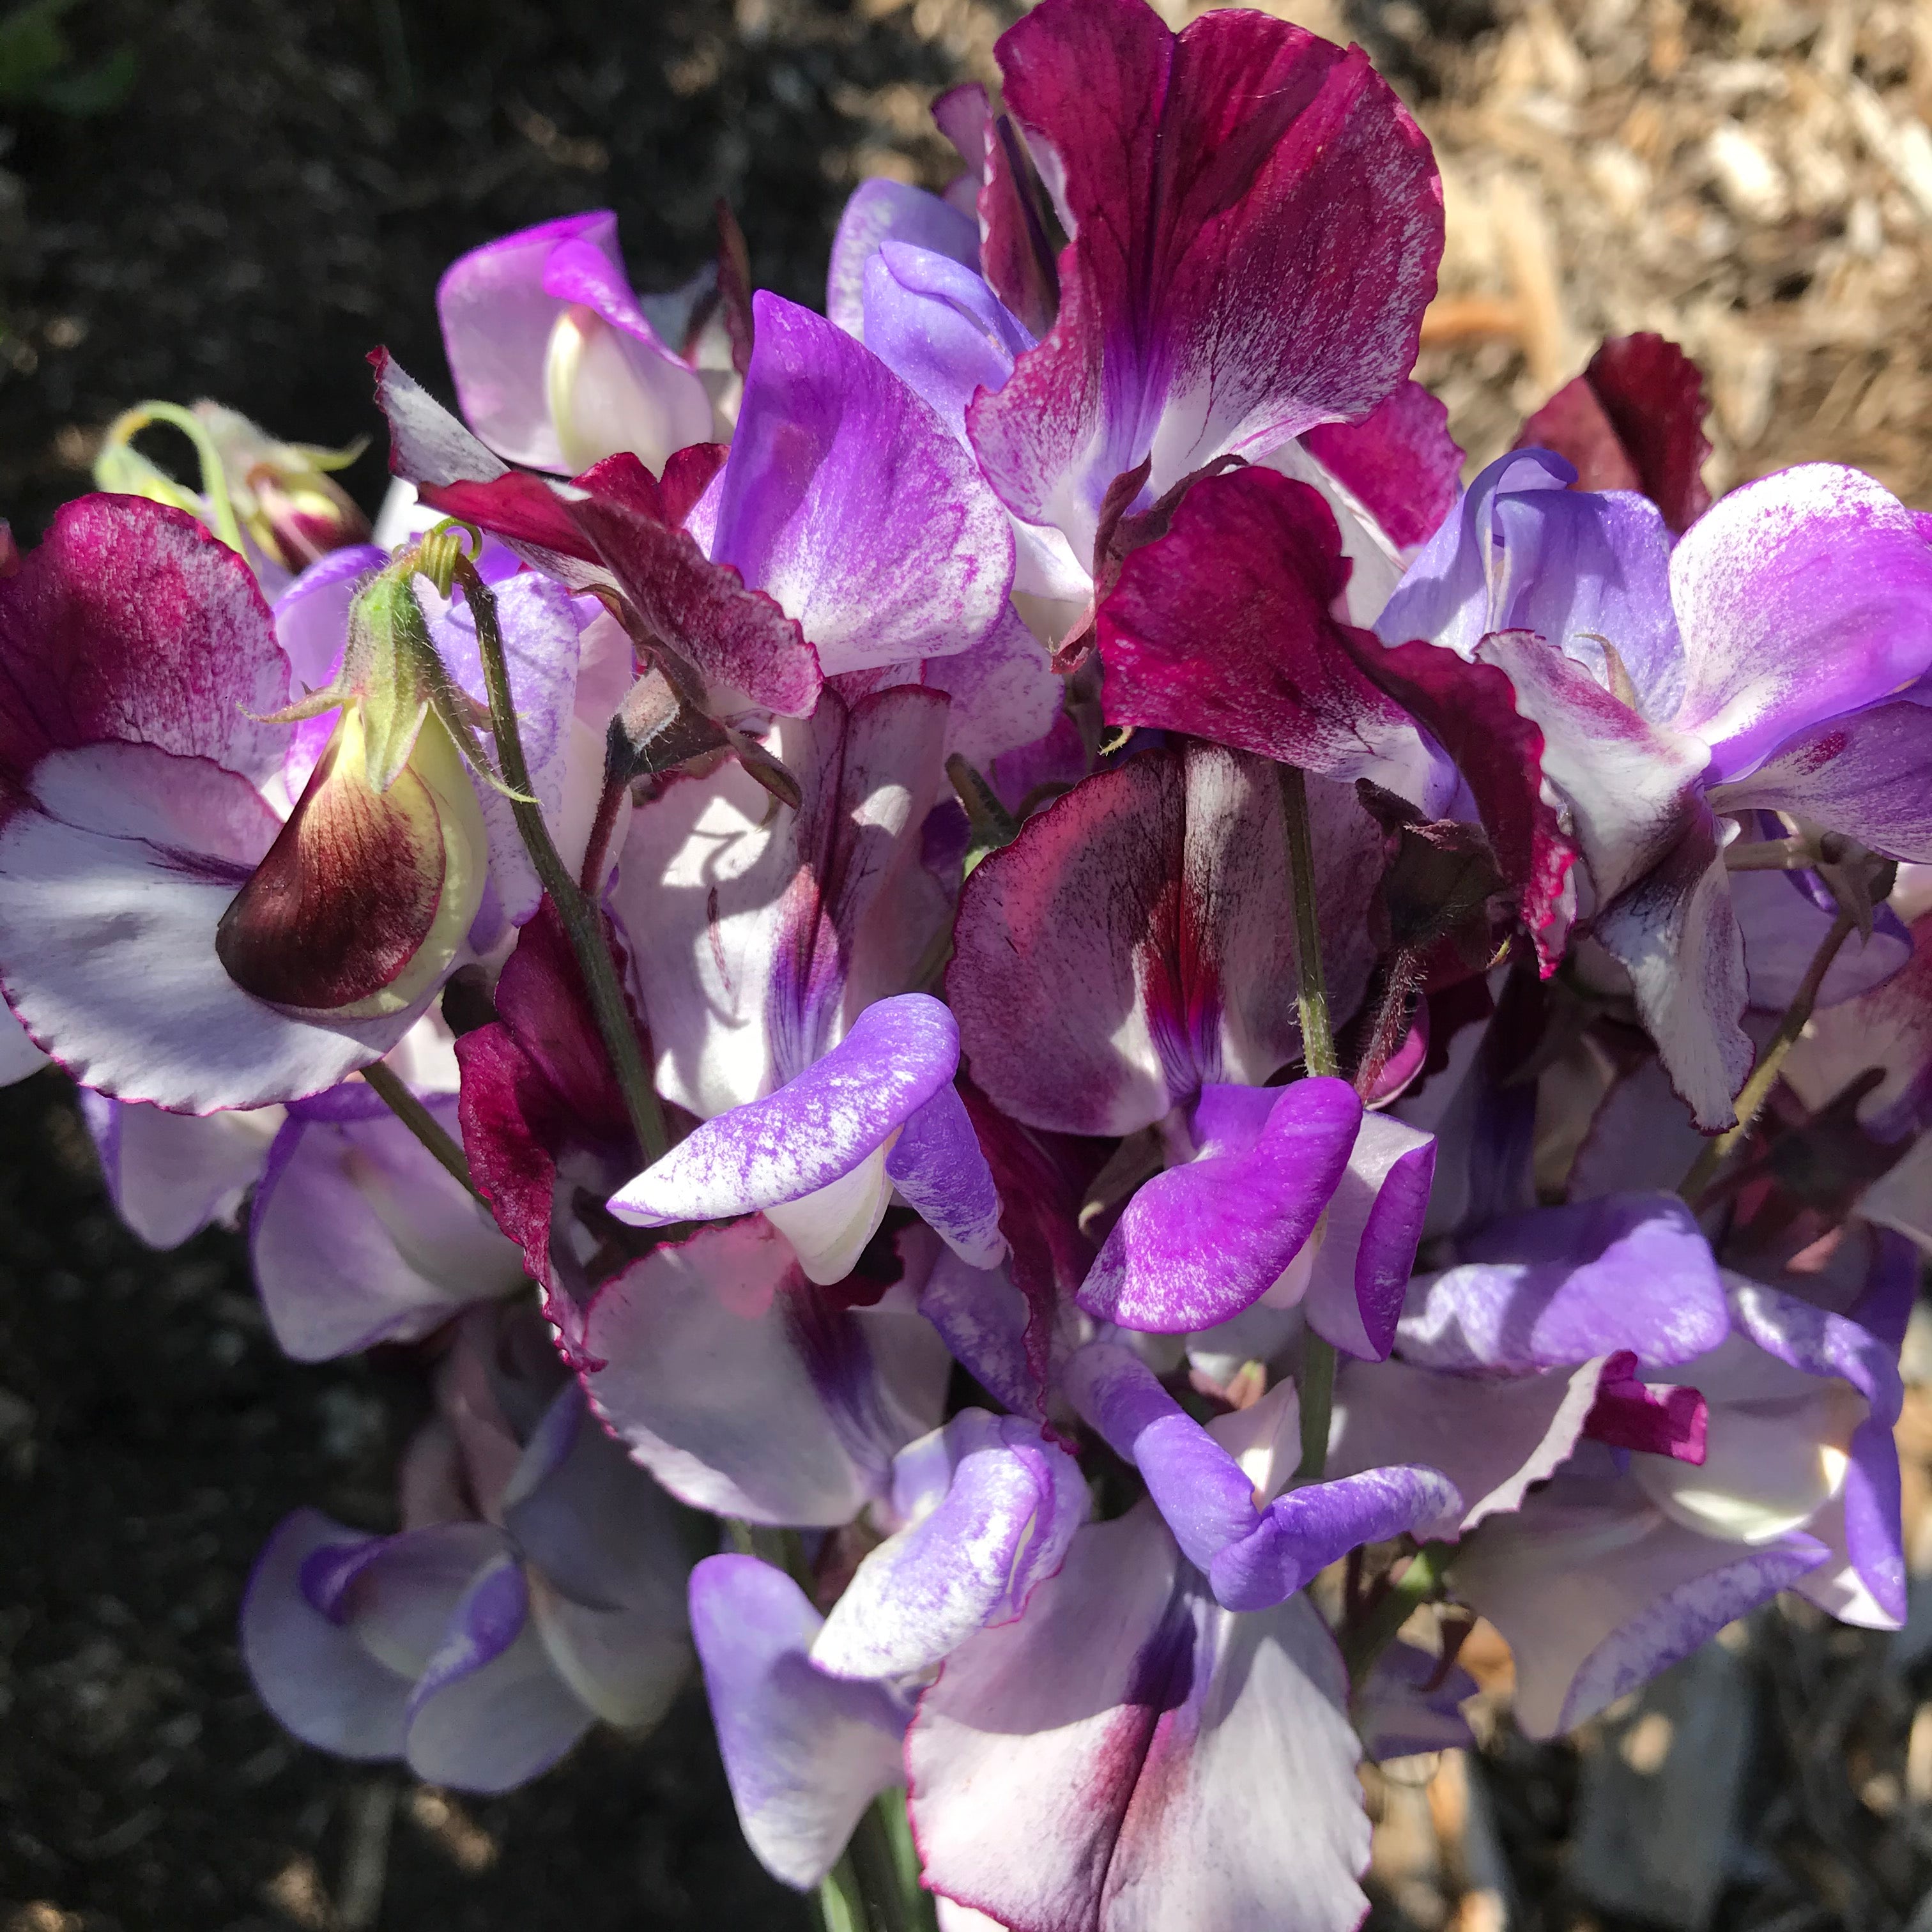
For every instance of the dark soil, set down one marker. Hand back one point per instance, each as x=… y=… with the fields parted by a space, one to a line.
x=277 y=195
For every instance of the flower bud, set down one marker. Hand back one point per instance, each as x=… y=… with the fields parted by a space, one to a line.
x=363 y=902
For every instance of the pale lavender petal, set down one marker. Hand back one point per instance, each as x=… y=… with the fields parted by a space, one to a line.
x=1200 y=1243
x=1084 y=1766
x=939 y=329
x=490 y=1712
x=743 y=1392
x=1597 y=1591
x=804 y=1752
x=1560 y=1285
x=938 y=1167
x=846 y=500
x=1004 y=693
x=309 y=1669
x=1641 y=1139
x=815 y=1130
x=627 y=1667
x=882 y=211
x=596 y=1524
x=1375 y=1219
x=1002 y=1527
x=118 y=882
x=1817 y=1341
x=358 y=1235
x=170 y=1174
x=1493 y=1438
x=1783 y=924
x=1408 y=1704
x=982 y=1318
x=1800 y=597
x=1865 y=1582
x=312 y=615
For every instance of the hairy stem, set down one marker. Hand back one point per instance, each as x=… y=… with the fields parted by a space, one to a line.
x=583 y=922
x=1317 y=1052
x=1362 y=1646
x=1764 y=1075
x=395 y=1095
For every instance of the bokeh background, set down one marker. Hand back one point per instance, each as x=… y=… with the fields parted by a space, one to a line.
x=237 y=200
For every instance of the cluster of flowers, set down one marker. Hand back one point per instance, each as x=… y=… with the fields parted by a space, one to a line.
x=1146 y=1042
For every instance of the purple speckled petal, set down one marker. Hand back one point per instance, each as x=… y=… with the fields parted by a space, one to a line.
x=490 y=1712
x=1361 y=1275
x=805 y=1752
x=1084 y=1766
x=1864 y=1583
x=815 y=1130
x=1597 y=1591
x=1800 y=597
x=311 y=1671
x=880 y=212
x=1301 y=1533
x=937 y=1165
x=744 y=1392
x=982 y=1317
x=1493 y=1438
x=1554 y=1288
x=1200 y=1243
x=846 y=499
x=1003 y=1526
x=1869 y=775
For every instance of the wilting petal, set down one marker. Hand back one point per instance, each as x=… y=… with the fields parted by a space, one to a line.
x=759 y=934
x=1493 y=1439
x=110 y=894
x=846 y=500
x=311 y=1670
x=501 y=307
x=1674 y=932
x=1869 y=775
x=168 y=1175
x=490 y=1712
x=1633 y=420
x=1369 y=1238
x=1597 y=1591
x=1133 y=944
x=358 y=1236
x=1800 y=597
x=1084 y=1766
x=1200 y=1243
x=881 y=211
x=805 y=1752
x=1563 y=1284
x=1399 y=461
x=745 y=1392
x=1003 y=1526
x=132 y=624
x=816 y=1129
x=1210 y=301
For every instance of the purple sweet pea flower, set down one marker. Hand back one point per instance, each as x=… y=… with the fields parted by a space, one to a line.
x=1752 y=666
x=478 y=1651
x=556 y=363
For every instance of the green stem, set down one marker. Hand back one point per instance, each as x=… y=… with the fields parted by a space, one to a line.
x=214 y=475
x=1360 y=1647
x=1318 y=1055
x=876 y=1866
x=1318 y=1038
x=583 y=923
x=1764 y=1075
x=420 y=1122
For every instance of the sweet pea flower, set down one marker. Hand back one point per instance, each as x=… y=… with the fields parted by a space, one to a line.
x=535 y=1588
